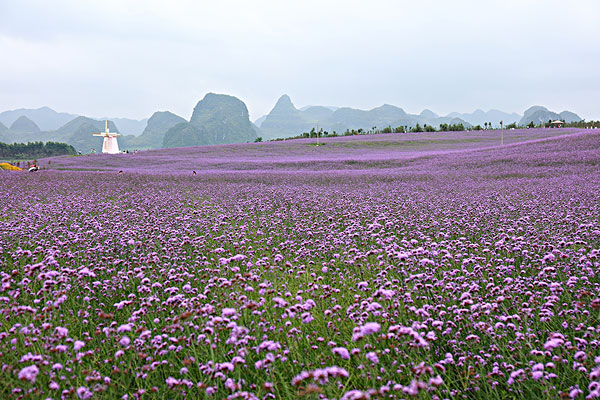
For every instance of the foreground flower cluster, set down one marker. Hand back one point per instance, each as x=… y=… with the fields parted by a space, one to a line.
x=465 y=276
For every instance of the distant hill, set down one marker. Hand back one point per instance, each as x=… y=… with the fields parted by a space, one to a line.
x=260 y=120
x=24 y=125
x=480 y=117
x=569 y=117
x=284 y=120
x=3 y=133
x=153 y=135
x=317 y=113
x=45 y=118
x=217 y=119
x=428 y=114
x=287 y=121
x=541 y=115
x=332 y=108
x=380 y=117
x=49 y=120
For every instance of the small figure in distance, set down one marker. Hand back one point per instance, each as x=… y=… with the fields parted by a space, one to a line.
x=34 y=168
x=193 y=172
x=121 y=172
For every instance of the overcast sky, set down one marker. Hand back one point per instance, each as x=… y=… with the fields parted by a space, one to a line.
x=130 y=58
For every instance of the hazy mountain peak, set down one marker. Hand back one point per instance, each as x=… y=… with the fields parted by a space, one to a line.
x=285 y=120
x=389 y=107
x=24 y=125
x=534 y=109
x=569 y=116
x=160 y=122
x=215 y=105
x=284 y=103
x=426 y=113
x=217 y=119
x=154 y=133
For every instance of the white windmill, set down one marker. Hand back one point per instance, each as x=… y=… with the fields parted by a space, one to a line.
x=110 y=145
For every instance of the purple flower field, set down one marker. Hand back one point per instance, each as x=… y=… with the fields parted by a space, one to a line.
x=388 y=266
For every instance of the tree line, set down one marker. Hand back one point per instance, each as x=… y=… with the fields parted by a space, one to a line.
x=23 y=151
x=314 y=133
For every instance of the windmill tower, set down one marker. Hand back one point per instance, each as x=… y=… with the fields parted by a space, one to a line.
x=110 y=145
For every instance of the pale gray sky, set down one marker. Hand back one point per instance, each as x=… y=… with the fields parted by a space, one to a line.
x=131 y=58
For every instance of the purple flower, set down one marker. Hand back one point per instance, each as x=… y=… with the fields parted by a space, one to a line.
x=29 y=373
x=124 y=328
x=342 y=352
x=61 y=332
x=370 y=328
x=84 y=393
x=372 y=356
x=228 y=312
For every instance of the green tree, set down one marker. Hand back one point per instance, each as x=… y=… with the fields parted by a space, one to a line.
x=417 y=128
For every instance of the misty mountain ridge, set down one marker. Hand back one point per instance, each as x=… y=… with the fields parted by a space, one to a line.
x=285 y=120
x=45 y=118
x=49 y=120
x=480 y=117
x=220 y=119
